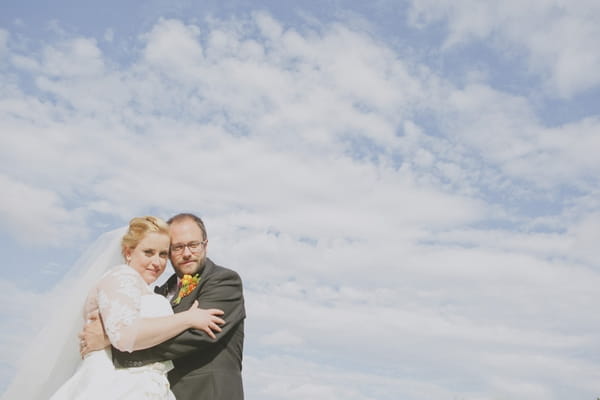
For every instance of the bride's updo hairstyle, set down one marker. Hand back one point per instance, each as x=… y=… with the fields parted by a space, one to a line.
x=139 y=227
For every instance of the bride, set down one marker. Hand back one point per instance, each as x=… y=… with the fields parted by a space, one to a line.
x=134 y=318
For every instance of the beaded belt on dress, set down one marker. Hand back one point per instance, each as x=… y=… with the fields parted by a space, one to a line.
x=161 y=367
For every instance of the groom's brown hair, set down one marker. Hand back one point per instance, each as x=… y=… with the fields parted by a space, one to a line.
x=196 y=219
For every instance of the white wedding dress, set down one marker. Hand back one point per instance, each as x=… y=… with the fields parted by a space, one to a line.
x=123 y=298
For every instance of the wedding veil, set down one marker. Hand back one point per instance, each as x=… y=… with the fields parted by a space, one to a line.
x=53 y=356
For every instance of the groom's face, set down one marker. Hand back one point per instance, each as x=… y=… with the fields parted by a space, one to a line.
x=189 y=260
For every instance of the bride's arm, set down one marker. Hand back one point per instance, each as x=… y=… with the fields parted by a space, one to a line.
x=153 y=331
x=119 y=302
x=222 y=289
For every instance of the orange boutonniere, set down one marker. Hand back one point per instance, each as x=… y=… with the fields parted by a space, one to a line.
x=188 y=284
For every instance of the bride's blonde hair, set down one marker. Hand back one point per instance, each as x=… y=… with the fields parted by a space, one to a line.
x=139 y=227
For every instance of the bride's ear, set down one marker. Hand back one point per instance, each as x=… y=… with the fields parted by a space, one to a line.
x=127 y=255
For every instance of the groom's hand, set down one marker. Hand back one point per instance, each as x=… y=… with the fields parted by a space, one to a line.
x=92 y=337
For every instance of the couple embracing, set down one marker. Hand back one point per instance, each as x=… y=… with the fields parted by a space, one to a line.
x=183 y=342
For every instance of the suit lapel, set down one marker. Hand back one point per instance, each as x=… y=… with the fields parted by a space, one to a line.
x=187 y=301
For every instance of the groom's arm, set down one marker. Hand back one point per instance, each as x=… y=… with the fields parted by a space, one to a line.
x=223 y=291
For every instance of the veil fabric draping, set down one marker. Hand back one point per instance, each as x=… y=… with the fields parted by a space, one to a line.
x=53 y=356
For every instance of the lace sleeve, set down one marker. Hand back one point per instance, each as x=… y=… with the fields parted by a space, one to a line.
x=119 y=299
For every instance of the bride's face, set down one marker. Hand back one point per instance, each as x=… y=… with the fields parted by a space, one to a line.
x=149 y=257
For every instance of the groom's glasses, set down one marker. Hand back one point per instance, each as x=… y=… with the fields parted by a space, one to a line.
x=194 y=247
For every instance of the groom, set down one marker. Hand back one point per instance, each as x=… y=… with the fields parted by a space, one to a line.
x=205 y=368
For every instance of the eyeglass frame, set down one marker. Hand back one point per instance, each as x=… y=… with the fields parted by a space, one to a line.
x=195 y=249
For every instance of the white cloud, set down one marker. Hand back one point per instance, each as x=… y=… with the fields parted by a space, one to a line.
x=558 y=37
x=73 y=58
x=277 y=377
x=4 y=36
x=345 y=182
x=139 y=95
x=506 y=133
x=282 y=338
x=19 y=322
x=109 y=35
x=37 y=216
x=269 y=27
x=586 y=236
x=173 y=47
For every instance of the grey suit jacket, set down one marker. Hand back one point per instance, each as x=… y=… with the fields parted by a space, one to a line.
x=205 y=368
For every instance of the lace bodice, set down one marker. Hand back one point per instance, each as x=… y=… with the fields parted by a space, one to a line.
x=118 y=296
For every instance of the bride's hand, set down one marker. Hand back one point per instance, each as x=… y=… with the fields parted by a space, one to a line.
x=205 y=320
x=92 y=337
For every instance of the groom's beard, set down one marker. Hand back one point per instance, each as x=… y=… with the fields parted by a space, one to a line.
x=190 y=266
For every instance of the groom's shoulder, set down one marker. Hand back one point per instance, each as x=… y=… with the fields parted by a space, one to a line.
x=220 y=272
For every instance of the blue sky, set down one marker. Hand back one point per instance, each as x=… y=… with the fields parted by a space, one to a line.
x=409 y=189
